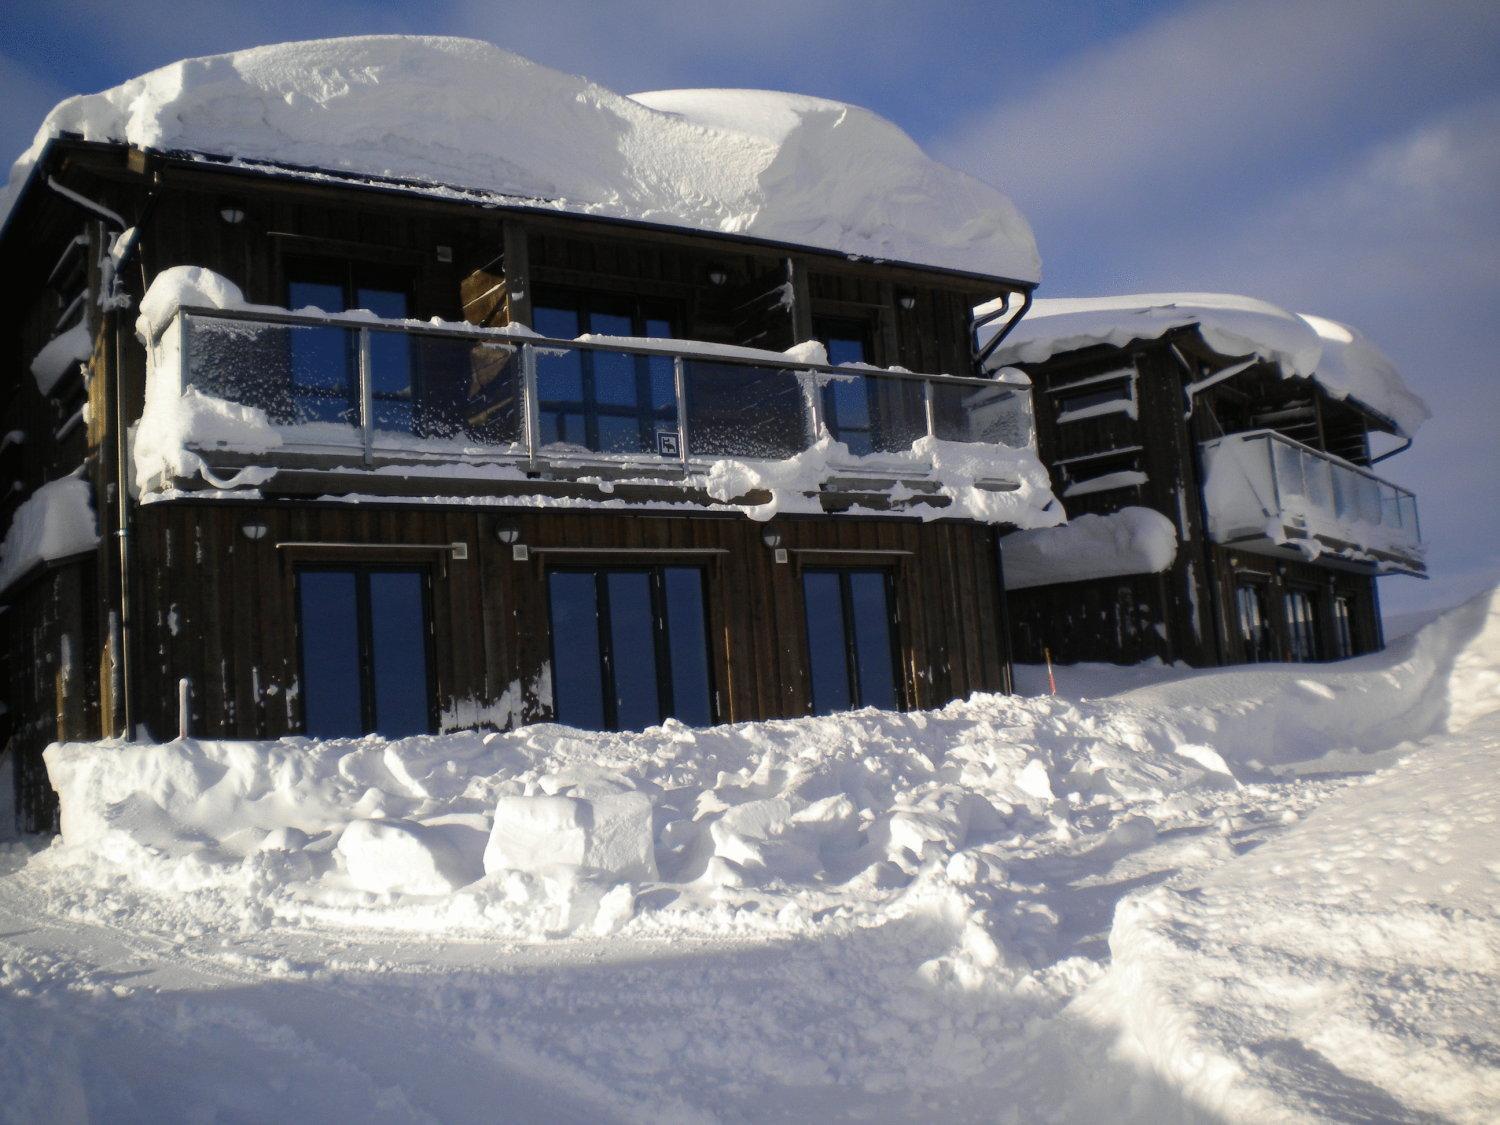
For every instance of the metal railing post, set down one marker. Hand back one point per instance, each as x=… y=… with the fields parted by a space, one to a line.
x=812 y=393
x=533 y=416
x=366 y=398
x=928 y=409
x=679 y=387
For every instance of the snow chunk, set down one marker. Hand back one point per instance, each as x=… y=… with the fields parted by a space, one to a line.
x=397 y=855
x=55 y=522
x=461 y=116
x=59 y=354
x=610 y=833
x=1344 y=363
x=1130 y=541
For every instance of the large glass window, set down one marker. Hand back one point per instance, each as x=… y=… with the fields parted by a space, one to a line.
x=1255 y=629
x=325 y=361
x=629 y=647
x=365 y=658
x=1343 y=629
x=851 y=647
x=1301 y=625
x=608 y=402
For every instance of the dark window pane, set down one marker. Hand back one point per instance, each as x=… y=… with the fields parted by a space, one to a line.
x=826 y=642
x=557 y=324
x=633 y=641
x=620 y=434
x=577 y=685
x=614 y=378
x=387 y=303
x=610 y=324
x=330 y=654
x=872 y=639
x=398 y=641
x=844 y=349
x=320 y=295
x=687 y=643
x=658 y=329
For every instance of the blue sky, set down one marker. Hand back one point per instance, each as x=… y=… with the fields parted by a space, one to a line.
x=1334 y=156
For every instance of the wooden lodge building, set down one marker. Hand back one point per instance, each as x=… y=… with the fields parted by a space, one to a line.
x=294 y=451
x=1248 y=432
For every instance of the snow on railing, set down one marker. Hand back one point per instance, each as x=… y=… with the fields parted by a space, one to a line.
x=407 y=387
x=1263 y=484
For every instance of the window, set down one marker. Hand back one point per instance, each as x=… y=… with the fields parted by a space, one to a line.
x=1255 y=630
x=365 y=651
x=1343 y=629
x=629 y=647
x=868 y=414
x=1112 y=392
x=1301 y=625
x=851 y=646
x=609 y=402
x=325 y=362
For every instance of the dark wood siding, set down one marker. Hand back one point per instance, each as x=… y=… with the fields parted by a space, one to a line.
x=219 y=608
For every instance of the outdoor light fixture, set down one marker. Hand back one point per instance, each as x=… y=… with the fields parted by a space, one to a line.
x=508 y=531
x=771 y=537
x=232 y=215
x=907 y=301
x=717 y=277
x=254 y=530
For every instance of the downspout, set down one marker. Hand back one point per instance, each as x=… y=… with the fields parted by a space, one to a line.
x=982 y=354
x=112 y=303
x=1402 y=448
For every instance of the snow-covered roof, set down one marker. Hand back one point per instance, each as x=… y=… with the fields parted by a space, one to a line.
x=1340 y=359
x=465 y=114
x=54 y=522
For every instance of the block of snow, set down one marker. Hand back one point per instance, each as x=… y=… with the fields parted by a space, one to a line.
x=1131 y=541
x=759 y=836
x=62 y=352
x=610 y=833
x=399 y=855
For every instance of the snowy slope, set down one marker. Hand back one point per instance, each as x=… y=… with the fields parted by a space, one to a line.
x=466 y=116
x=1240 y=894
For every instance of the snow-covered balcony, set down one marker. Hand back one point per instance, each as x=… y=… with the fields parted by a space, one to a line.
x=1263 y=489
x=249 y=390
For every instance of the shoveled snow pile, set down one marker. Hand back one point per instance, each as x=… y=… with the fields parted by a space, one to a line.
x=1339 y=358
x=1130 y=541
x=870 y=915
x=54 y=522
x=462 y=116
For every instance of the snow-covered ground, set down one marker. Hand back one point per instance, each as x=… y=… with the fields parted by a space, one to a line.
x=1252 y=894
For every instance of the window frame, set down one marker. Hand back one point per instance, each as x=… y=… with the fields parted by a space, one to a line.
x=660 y=635
x=1296 y=634
x=584 y=304
x=850 y=645
x=364 y=641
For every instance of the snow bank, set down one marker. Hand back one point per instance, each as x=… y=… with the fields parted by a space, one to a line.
x=1130 y=541
x=54 y=522
x=467 y=117
x=1343 y=362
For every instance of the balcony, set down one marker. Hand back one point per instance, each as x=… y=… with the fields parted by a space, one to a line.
x=1265 y=490
x=401 y=392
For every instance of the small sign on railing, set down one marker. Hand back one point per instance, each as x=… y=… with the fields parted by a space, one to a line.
x=668 y=443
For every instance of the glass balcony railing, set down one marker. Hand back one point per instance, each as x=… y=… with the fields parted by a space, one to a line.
x=1264 y=484
x=381 y=385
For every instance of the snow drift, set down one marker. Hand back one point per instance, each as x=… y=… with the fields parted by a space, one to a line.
x=465 y=117
x=1340 y=359
x=1130 y=541
x=54 y=522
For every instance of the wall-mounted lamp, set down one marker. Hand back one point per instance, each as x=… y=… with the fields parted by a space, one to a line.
x=907 y=301
x=445 y=253
x=254 y=530
x=508 y=531
x=717 y=277
x=771 y=537
x=232 y=215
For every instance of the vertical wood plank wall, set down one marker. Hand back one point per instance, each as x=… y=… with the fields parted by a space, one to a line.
x=219 y=608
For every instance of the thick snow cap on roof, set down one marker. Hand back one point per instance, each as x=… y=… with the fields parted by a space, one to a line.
x=1342 y=361
x=461 y=113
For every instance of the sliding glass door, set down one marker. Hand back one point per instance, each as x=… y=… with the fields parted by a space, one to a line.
x=851 y=639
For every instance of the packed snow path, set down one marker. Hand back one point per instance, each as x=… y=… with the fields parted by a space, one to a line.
x=1243 y=895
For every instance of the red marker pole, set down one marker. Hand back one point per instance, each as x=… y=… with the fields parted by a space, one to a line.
x=1051 y=683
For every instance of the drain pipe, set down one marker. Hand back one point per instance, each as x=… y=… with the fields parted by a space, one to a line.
x=122 y=461
x=982 y=353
